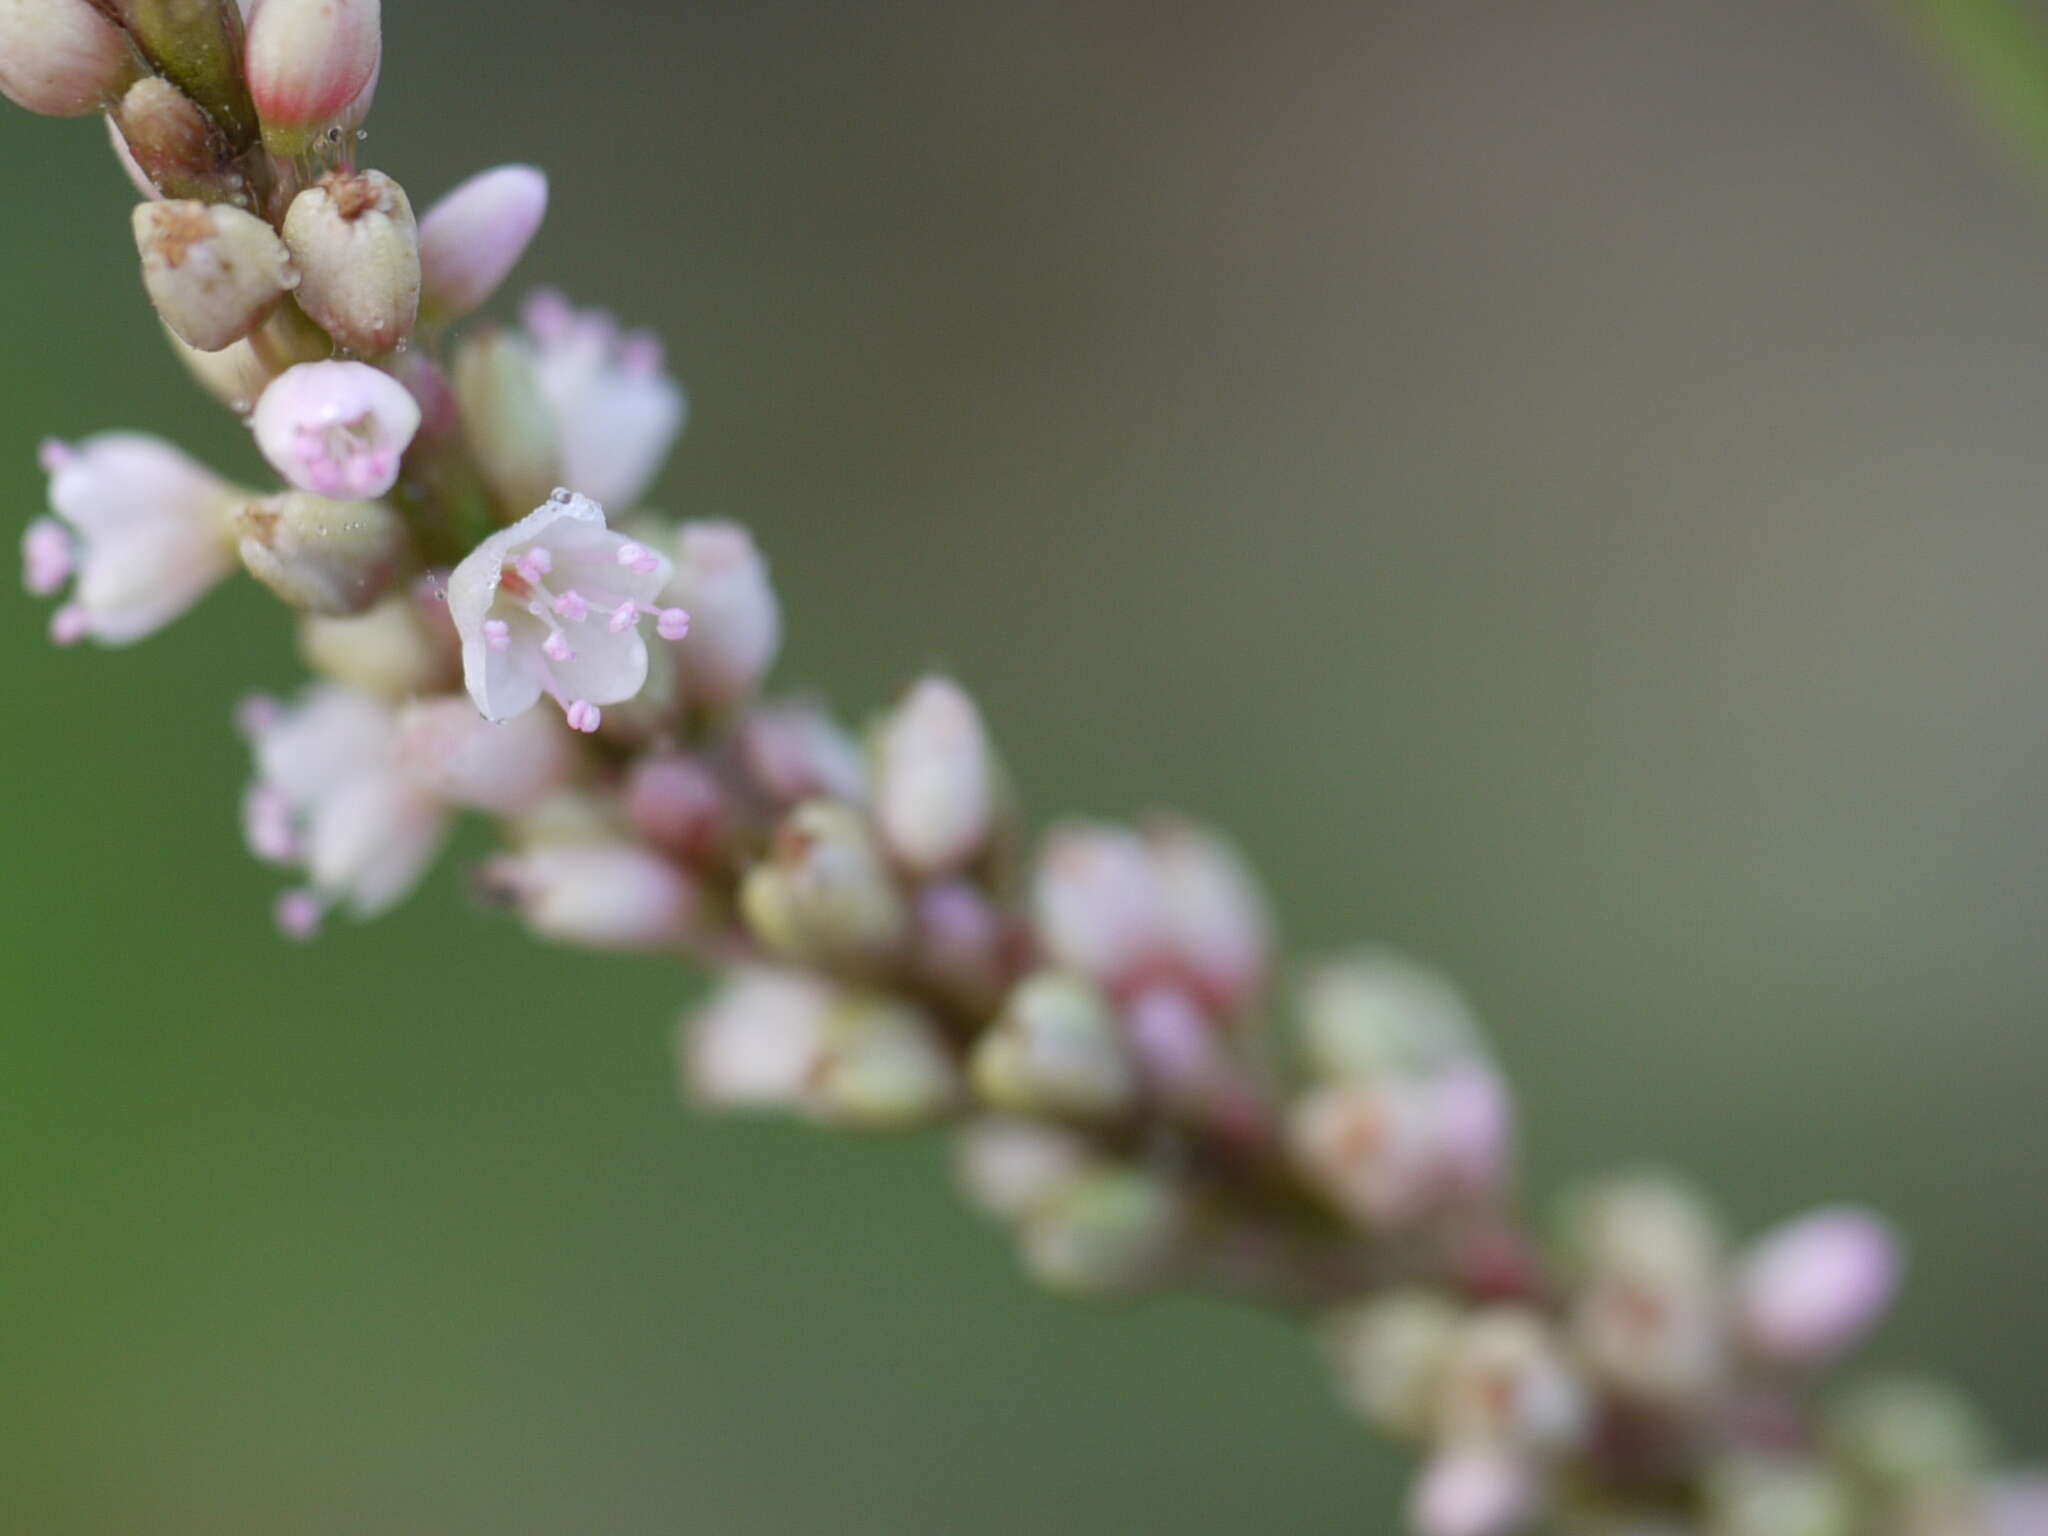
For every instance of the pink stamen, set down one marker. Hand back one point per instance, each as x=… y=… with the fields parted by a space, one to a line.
x=70 y=624
x=256 y=714
x=47 y=557
x=571 y=606
x=640 y=354
x=584 y=716
x=497 y=634
x=556 y=647
x=299 y=914
x=54 y=454
x=672 y=624
x=534 y=565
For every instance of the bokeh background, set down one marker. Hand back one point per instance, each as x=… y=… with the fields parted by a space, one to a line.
x=1563 y=481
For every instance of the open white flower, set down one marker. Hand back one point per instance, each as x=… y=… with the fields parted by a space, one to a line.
x=144 y=529
x=552 y=605
x=616 y=409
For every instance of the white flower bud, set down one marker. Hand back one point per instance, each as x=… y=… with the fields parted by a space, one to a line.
x=882 y=1068
x=735 y=620
x=1097 y=903
x=794 y=751
x=62 y=58
x=1006 y=1166
x=395 y=649
x=1377 y=1014
x=1056 y=1049
x=458 y=756
x=311 y=63
x=596 y=894
x=330 y=557
x=213 y=271
x=352 y=237
x=1393 y=1153
x=1754 y=1496
x=1216 y=923
x=756 y=1042
x=1902 y=1436
x=1506 y=1380
x=472 y=238
x=826 y=897
x=1389 y=1357
x=173 y=144
x=1109 y=1231
x=678 y=804
x=934 y=779
x=509 y=427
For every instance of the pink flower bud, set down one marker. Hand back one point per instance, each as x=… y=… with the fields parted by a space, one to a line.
x=213 y=272
x=756 y=1043
x=1097 y=903
x=794 y=752
x=1217 y=925
x=1812 y=1288
x=472 y=238
x=934 y=780
x=309 y=63
x=338 y=430
x=600 y=895
x=1474 y=1490
x=679 y=805
x=735 y=621
x=62 y=58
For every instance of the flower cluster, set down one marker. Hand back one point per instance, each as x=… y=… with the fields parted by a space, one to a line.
x=496 y=628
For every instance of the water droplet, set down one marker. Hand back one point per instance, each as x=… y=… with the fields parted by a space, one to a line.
x=561 y=493
x=362 y=134
x=239 y=405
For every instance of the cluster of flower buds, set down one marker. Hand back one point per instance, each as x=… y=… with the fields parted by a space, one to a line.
x=497 y=628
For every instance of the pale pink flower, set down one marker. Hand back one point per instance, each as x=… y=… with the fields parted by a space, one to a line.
x=472 y=238
x=602 y=895
x=735 y=620
x=616 y=410
x=1217 y=925
x=144 y=529
x=332 y=798
x=934 y=779
x=553 y=605
x=1097 y=903
x=339 y=430
x=756 y=1042
x=1474 y=1490
x=1810 y=1289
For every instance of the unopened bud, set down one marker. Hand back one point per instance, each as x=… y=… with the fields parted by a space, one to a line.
x=882 y=1068
x=62 y=58
x=934 y=779
x=1006 y=1166
x=197 y=46
x=238 y=374
x=213 y=271
x=311 y=64
x=679 y=805
x=1906 y=1436
x=756 y=1042
x=964 y=945
x=505 y=767
x=1811 y=1289
x=1507 y=1380
x=1751 y=1496
x=1097 y=903
x=793 y=751
x=1377 y=1015
x=392 y=649
x=1392 y=1153
x=331 y=557
x=173 y=144
x=1056 y=1050
x=353 y=239
x=1110 y=1231
x=472 y=238
x=735 y=620
x=1389 y=1357
x=825 y=897
x=1475 y=1490
x=596 y=894
x=510 y=430
x=1650 y=1319
x=1217 y=925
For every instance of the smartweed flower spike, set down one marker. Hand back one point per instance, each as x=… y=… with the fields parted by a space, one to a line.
x=1094 y=1018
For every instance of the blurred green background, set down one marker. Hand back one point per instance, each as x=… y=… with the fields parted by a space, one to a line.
x=1563 y=482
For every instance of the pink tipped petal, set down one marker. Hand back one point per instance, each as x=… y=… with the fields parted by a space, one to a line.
x=47 y=557
x=299 y=915
x=309 y=62
x=472 y=238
